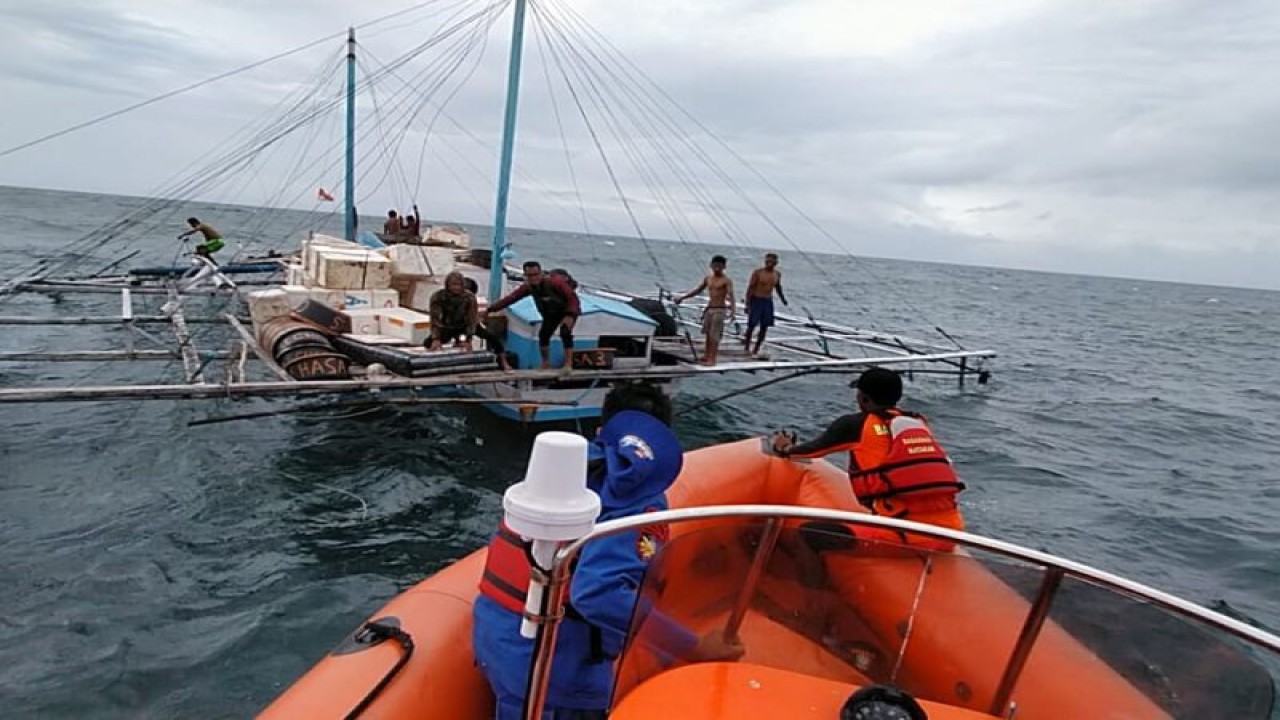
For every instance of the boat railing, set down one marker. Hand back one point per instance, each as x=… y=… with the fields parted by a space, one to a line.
x=809 y=337
x=1054 y=574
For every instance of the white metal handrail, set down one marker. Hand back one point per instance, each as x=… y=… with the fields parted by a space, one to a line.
x=557 y=577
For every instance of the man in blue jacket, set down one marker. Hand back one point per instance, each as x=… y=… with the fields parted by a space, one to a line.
x=635 y=458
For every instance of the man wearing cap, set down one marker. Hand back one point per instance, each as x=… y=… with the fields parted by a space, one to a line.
x=634 y=459
x=896 y=465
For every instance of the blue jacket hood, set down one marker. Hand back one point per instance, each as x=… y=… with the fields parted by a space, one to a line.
x=642 y=458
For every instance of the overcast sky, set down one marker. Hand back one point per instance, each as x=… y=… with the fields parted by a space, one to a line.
x=1135 y=138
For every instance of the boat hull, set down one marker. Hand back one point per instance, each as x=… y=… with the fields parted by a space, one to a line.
x=975 y=620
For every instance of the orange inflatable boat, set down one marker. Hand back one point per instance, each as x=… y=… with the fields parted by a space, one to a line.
x=968 y=633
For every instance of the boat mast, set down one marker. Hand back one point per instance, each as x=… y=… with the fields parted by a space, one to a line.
x=350 y=228
x=508 y=147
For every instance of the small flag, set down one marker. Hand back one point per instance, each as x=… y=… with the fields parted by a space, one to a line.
x=324 y=195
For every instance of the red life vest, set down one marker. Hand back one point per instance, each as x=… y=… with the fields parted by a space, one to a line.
x=915 y=476
x=507 y=570
x=509 y=567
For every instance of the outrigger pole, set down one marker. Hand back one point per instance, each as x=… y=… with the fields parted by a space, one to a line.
x=350 y=225
x=508 y=148
x=319 y=387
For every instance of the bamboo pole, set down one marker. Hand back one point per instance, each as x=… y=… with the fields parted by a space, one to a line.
x=374 y=403
x=277 y=388
x=54 y=287
x=104 y=320
x=257 y=350
x=126 y=315
x=191 y=365
x=98 y=355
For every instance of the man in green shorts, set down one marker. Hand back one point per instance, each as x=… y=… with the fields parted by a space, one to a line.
x=213 y=241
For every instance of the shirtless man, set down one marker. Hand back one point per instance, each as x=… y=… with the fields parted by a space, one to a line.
x=760 y=287
x=391 y=227
x=720 y=304
x=412 y=226
x=213 y=241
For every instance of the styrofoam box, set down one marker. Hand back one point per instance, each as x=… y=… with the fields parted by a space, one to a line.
x=294 y=274
x=316 y=242
x=417 y=295
x=345 y=270
x=419 y=260
x=267 y=305
x=404 y=323
x=455 y=236
x=353 y=299
x=364 y=321
x=377 y=339
x=299 y=295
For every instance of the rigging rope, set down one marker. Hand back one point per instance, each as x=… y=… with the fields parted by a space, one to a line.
x=622 y=60
x=207 y=81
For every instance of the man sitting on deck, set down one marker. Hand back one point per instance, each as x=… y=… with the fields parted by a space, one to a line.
x=392 y=227
x=455 y=317
x=557 y=303
x=635 y=459
x=412 y=226
x=896 y=465
x=213 y=241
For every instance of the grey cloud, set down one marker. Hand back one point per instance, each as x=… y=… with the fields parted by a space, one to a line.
x=1002 y=207
x=91 y=46
x=1111 y=124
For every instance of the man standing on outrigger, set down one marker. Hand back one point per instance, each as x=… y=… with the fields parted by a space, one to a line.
x=764 y=280
x=213 y=241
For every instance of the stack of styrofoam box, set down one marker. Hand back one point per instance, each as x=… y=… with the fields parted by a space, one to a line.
x=341 y=269
x=341 y=274
x=313 y=245
x=369 y=299
x=418 y=271
x=389 y=324
x=419 y=260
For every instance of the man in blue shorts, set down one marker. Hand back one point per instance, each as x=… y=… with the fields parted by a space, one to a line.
x=759 y=299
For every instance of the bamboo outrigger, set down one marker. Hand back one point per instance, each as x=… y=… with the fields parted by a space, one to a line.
x=789 y=357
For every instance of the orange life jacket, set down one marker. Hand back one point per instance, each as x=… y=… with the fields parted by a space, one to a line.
x=914 y=475
x=872 y=446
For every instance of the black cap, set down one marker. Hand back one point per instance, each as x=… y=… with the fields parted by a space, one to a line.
x=882 y=385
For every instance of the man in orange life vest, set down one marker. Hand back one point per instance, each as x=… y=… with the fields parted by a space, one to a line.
x=896 y=465
x=634 y=459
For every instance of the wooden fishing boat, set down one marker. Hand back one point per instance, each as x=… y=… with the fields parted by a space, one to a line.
x=763 y=547
x=622 y=335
